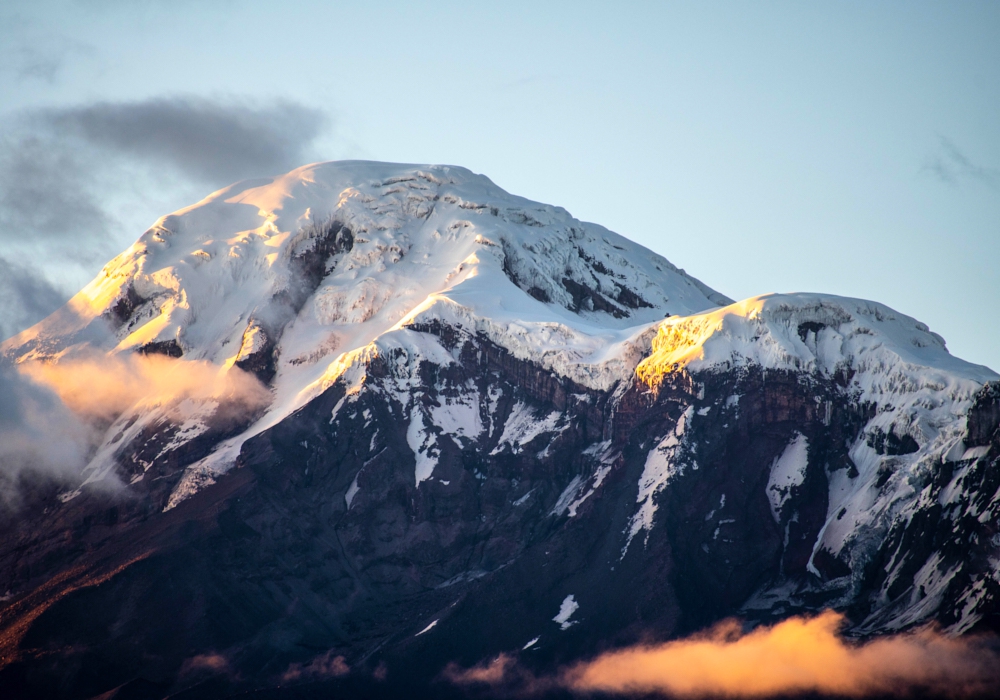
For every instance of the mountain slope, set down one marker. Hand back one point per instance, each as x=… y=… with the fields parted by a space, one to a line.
x=290 y=278
x=391 y=417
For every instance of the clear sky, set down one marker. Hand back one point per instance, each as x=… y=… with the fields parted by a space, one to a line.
x=848 y=148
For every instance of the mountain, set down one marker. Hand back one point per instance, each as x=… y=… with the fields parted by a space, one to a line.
x=355 y=423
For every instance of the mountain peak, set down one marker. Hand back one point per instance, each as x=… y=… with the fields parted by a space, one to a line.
x=288 y=278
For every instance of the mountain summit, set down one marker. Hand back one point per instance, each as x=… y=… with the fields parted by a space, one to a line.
x=368 y=420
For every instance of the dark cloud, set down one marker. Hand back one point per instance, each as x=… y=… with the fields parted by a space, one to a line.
x=952 y=166
x=78 y=183
x=26 y=297
x=46 y=191
x=60 y=166
x=214 y=142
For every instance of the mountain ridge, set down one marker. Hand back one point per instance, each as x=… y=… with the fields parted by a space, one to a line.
x=372 y=404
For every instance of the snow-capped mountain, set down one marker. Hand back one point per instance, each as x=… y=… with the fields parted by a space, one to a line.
x=296 y=279
x=396 y=416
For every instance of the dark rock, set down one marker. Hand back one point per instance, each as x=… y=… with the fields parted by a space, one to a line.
x=984 y=417
x=170 y=348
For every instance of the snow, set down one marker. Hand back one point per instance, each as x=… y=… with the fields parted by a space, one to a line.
x=524 y=499
x=894 y=363
x=352 y=490
x=426 y=629
x=442 y=244
x=531 y=642
x=424 y=447
x=567 y=496
x=787 y=472
x=662 y=464
x=523 y=426
x=566 y=610
x=430 y=243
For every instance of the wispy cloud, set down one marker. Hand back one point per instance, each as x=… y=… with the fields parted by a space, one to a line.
x=799 y=656
x=26 y=297
x=78 y=183
x=39 y=436
x=328 y=665
x=54 y=412
x=101 y=387
x=28 y=52
x=212 y=141
x=952 y=166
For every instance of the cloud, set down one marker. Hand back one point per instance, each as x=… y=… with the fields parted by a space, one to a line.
x=325 y=665
x=54 y=413
x=102 y=387
x=29 y=52
x=799 y=656
x=79 y=183
x=38 y=435
x=213 y=141
x=952 y=166
x=493 y=672
x=26 y=297
x=204 y=664
x=46 y=190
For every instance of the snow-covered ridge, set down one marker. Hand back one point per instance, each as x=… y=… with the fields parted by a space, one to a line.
x=890 y=354
x=920 y=396
x=298 y=277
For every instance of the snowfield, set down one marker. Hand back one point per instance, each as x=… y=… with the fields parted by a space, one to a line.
x=222 y=280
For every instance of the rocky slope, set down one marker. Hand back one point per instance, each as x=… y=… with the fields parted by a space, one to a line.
x=434 y=422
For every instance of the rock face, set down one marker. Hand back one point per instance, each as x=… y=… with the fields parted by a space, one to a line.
x=478 y=435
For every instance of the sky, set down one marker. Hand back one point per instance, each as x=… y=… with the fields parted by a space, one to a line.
x=850 y=148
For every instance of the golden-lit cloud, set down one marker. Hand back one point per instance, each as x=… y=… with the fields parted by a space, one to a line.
x=801 y=655
x=798 y=655
x=491 y=672
x=54 y=413
x=103 y=387
x=326 y=665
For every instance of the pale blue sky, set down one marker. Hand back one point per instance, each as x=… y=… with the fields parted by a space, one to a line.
x=849 y=148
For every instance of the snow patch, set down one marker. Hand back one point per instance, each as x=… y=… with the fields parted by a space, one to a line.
x=662 y=465
x=566 y=610
x=426 y=629
x=788 y=471
x=523 y=426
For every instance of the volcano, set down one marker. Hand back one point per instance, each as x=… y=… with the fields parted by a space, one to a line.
x=368 y=420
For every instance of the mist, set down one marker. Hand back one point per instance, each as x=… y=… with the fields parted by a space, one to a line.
x=798 y=656
x=54 y=413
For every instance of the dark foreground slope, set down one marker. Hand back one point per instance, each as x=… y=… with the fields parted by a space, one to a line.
x=270 y=584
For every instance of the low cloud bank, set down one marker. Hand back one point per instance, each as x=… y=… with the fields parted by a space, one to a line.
x=801 y=655
x=38 y=434
x=326 y=665
x=102 y=387
x=53 y=413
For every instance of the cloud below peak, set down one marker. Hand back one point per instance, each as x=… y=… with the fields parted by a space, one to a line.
x=797 y=656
